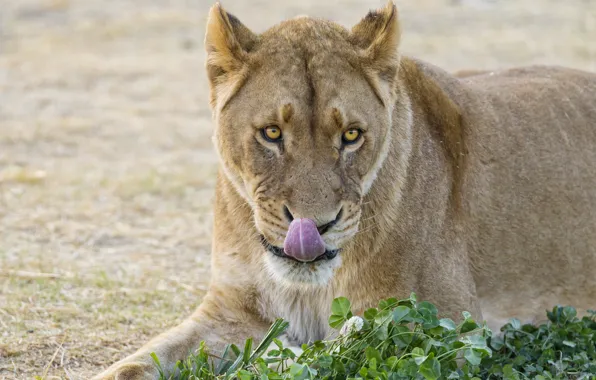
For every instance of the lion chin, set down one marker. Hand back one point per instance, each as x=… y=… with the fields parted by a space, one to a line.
x=291 y=273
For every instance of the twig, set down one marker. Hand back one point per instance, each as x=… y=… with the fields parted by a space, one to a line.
x=192 y=289
x=45 y=371
x=26 y=274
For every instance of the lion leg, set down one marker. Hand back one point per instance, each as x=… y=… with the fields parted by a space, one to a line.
x=214 y=323
x=447 y=280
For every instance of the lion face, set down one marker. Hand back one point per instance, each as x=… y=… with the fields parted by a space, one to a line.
x=302 y=129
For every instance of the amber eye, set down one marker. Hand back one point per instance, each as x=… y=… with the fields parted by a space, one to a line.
x=351 y=136
x=271 y=133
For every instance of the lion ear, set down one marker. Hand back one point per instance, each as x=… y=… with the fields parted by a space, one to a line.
x=378 y=36
x=227 y=42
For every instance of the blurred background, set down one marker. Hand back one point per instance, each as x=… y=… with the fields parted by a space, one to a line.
x=106 y=164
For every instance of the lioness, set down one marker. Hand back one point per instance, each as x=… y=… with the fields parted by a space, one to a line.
x=347 y=170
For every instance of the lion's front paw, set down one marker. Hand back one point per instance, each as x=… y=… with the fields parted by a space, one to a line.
x=129 y=371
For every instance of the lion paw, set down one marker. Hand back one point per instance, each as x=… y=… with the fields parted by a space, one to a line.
x=129 y=371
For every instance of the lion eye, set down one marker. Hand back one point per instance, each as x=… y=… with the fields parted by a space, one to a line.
x=351 y=136
x=271 y=133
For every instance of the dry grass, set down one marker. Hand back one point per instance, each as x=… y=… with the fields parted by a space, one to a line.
x=106 y=165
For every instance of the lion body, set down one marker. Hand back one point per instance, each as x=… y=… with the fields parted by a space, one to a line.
x=528 y=188
x=482 y=197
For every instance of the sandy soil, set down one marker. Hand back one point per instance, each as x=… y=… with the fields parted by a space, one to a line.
x=106 y=164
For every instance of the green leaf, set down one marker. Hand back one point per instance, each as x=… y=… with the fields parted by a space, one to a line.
x=391 y=362
x=515 y=323
x=399 y=313
x=244 y=375
x=235 y=349
x=363 y=372
x=336 y=321
x=287 y=353
x=372 y=364
x=475 y=341
x=383 y=318
x=468 y=325
x=420 y=359
x=472 y=356
x=496 y=342
x=372 y=353
x=430 y=369
x=447 y=323
x=276 y=329
x=402 y=336
x=387 y=304
x=247 y=349
x=274 y=353
x=382 y=332
x=370 y=314
x=155 y=359
x=569 y=313
x=382 y=321
x=418 y=355
x=436 y=343
x=297 y=369
x=338 y=367
x=325 y=361
x=341 y=306
x=509 y=373
x=415 y=316
x=300 y=371
x=427 y=308
x=430 y=322
x=435 y=331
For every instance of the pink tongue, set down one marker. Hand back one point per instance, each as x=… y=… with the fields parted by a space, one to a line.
x=303 y=241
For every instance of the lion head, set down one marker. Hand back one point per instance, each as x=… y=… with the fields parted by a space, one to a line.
x=303 y=114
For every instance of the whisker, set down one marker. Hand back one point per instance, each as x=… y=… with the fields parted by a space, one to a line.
x=369 y=218
x=369 y=228
x=346 y=228
x=232 y=211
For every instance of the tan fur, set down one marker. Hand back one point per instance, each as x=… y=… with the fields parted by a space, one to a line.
x=477 y=192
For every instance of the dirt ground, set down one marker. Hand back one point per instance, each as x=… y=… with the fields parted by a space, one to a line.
x=106 y=163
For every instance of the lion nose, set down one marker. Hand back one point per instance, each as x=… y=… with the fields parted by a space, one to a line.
x=321 y=227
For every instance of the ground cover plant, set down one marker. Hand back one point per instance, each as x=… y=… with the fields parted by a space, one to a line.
x=405 y=339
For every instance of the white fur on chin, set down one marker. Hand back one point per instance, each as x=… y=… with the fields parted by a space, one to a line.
x=291 y=273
